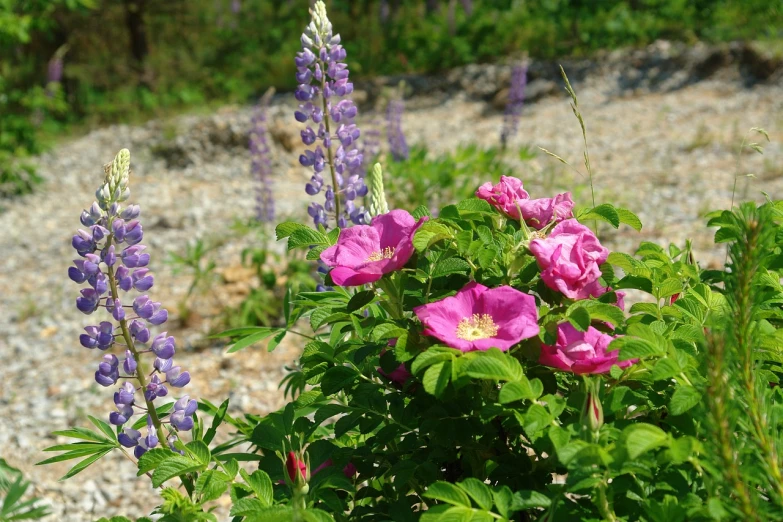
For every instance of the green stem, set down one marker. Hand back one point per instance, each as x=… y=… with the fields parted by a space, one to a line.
x=603 y=504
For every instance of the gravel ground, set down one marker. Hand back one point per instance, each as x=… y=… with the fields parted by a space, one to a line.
x=669 y=156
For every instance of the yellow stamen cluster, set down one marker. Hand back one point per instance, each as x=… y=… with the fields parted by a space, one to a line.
x=386 y=253
x=479 y=326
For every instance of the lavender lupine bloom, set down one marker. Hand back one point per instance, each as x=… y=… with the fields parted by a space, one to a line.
x=323 y=95
x=467 y=5
x=261 y=164
x=398 y=146
x=371 y=143
x=113 y=261
x=516 y=99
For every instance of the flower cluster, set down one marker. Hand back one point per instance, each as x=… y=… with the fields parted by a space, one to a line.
x=511 y=199
x=398 y=146
x=113 y=260
x=261 y=164
x=516 y=99
x=477 y=318
x=323 y=92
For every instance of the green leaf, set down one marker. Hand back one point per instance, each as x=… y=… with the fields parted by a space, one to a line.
x=305 y=237
x=174 y=467
x=436 y=378
x=216 y=421
x=429 y=233
x=260 y=335
x=420 y=212
x=247 y=506
x=83 y=434
x=211 y=485
x=430 y=357
x=474 y=205
x=199 y=451
x=104 y=427
x=683 y=399
x=495 y=365
x=452 y=265
x=283 y=230
x=478 y=491
x=261 y=485
x=336 y=378
x=641 y=438
x=520 y=390
x=81 y=466
x=605 y=212
x=530 y=499
x=629 y=218
x=633 y=348
x=665 y=368
x=448 y=493
x=360 y=299
x=152 y=459
x=579 y=317
x=604 y=312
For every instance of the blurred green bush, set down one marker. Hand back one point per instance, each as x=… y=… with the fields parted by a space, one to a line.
x=131 y=59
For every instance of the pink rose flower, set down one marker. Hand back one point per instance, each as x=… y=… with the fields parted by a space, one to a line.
x=504 y=195
x=570 y=259
x=479 y=318
x=365 y=252
x=538 y=213
x=581 y=352
x=510 y=198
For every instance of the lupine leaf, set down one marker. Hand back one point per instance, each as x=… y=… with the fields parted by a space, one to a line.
x=81 y=466
x=244 y=342
x=216 y=421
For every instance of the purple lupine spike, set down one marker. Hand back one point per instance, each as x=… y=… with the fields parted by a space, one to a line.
x=115 y=233
x=467 y=5
x=261 y=161
x=516 y=100
x=323 y=91
x=398 y=146
x=371 y=144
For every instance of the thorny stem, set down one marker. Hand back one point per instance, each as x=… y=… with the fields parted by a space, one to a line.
x=329 y=152
x=140 y=372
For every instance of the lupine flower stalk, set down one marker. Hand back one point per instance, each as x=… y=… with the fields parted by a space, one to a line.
x=467 y=5
x=371 y=143
x=516 y=99
x=398 y=146
x=261 y=162
x=112 y=261
x=323 y=95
